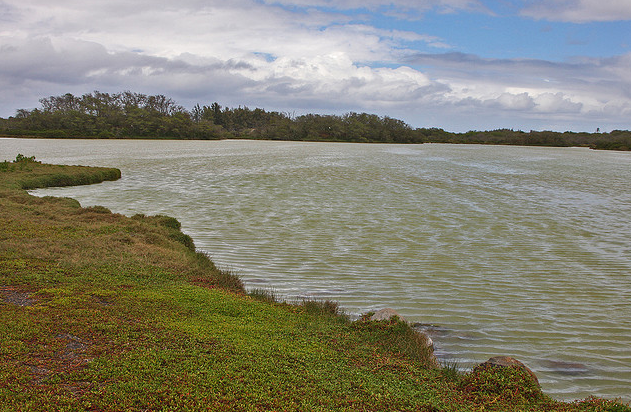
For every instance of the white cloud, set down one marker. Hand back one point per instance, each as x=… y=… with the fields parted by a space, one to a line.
x=283 y=58
x=417 y=5
x=571 y=93
x=510 y=101
x=580 y=11
x=335 y=78
x=106 y=42
x=556 y=103
x=212 y=28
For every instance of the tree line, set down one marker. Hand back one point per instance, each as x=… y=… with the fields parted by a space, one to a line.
x=136 y=115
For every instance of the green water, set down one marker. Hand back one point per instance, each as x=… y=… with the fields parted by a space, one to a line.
x=502 y=250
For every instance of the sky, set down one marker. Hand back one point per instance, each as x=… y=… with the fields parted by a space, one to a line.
x=454 y=64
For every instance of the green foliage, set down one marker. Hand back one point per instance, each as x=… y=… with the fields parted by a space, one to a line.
x=159 y=220
x=508 y=384
x=229 y=280
x=616 y=140
x=168 y=221
x=264 y=295
x=21 y=163
x=183 y=238
x=98 y=209
x=592 y=404
x=101 y=115
x=323 y=307
x=20 y=158
x=451 y=370
x=68 y=177
x=134 y=115
x=27 y=173
x=397 y=335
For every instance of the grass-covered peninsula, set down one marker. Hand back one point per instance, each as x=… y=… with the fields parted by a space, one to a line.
x=103 y=312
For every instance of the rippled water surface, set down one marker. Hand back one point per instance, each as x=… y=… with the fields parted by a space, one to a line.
x=499 y=250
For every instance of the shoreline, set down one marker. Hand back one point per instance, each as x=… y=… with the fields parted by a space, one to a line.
x=249 y=138
x=190 y=221
x=69 y=297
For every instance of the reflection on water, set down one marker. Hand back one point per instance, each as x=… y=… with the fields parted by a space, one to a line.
x=495 y=250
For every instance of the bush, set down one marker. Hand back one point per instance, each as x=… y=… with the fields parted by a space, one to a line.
x=168 y=221
x=20 y=158
x=451 y=370
x=397 y=335
x=593 y=404
x=208 y=275
x=264 y=295
x=98 y=209
x=322 y=307
x=182 y=238
x=509 y=384
x=227 y=279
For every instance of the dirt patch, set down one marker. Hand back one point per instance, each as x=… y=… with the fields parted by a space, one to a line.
x=66 y=354
x=16 y=296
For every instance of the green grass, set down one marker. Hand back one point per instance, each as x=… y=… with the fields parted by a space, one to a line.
x=27 y=173
x=102 y=312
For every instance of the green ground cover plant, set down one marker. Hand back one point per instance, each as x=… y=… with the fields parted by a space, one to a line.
x=103 y=312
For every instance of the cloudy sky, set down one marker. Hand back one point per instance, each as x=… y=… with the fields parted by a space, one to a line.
x=456 y=64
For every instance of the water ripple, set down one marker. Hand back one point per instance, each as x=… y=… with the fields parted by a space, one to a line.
x=504 y=250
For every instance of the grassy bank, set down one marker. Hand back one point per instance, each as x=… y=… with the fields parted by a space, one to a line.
x=102 y=312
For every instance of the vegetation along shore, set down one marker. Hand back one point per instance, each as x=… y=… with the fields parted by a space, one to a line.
x=135 y=115
x=103 y=312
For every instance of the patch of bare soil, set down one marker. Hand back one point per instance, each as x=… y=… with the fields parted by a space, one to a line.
x=68 y=353
x=16 y=296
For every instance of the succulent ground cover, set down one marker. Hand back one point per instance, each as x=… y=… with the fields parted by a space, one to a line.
x=103 y=312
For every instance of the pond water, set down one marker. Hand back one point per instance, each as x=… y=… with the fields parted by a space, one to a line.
x=519 y=251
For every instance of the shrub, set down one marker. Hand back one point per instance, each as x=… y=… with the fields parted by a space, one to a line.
x=183 y=238
x=167 y=221
x=397 y=335
x=20 y=158
x=264 y=295
x=66 y=201
x=509 y=384
x=208 y=275
x=451 y=370
x=593 y=404
x=323 y=307
x=159 y=220
x=228 y=279
x=98 y=209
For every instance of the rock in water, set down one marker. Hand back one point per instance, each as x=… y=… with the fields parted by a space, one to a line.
x=507 y=362
x=385 y=314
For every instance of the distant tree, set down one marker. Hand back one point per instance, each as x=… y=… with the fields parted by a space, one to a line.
x=196 y=113
x=217 y=115
x=129 y=114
